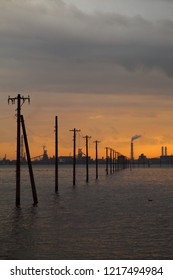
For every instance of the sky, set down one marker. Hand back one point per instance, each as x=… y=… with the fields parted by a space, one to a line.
x=104 y=67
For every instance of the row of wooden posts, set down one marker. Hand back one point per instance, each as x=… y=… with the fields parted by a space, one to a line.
x=114 y=161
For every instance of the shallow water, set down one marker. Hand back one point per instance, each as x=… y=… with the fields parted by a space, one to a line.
x=126 y=215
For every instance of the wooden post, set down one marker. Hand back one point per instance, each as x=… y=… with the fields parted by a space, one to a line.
x=87 y=170
x=56 y=154
x=118 y=161
x=110 y=160
x=34 y=193
x=113 y=161
x=18 y=152
x=107 y=161
x=74 y=154
x=12 y=100
x=96 y=158
x=74 y=157
x=87 y=174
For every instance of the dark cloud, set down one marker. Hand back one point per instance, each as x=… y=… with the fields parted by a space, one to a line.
x=170 y=1
x=49 y=45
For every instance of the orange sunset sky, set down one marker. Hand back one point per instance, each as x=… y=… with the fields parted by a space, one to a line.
x=105 y=67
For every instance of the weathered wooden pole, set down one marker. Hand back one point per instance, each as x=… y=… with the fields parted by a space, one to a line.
x=118 y=161
x=12 y=100
x=113 y=161
x=74 y=157
x=110 y=160
x=87 y=169
x=18 y=152
x=107 y=160
x=74 y=154
x=96 y=160
x=34 y=193
x=87 y=174
x=56 y=154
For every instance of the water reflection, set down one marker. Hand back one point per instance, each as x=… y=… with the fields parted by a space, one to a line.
x=128 y=215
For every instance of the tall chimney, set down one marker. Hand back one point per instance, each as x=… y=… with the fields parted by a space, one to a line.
x=162 y=151
x=132 y=139
x=165 y=151
x=132 y=155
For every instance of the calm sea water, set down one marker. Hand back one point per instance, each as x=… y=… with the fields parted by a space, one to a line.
x=127 y=215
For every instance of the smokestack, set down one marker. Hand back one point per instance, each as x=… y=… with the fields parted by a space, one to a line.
x=165 y=151
x=132 y=150
x=162 y=151
x=132 y=156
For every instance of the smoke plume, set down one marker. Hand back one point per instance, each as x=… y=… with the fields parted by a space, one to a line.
x=135 y=137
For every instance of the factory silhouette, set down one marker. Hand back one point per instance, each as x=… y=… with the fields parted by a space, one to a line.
x=43 y=158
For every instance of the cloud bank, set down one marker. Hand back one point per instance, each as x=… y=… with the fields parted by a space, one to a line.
x=54 y=46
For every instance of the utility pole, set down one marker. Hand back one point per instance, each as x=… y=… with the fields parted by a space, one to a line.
x=20 y=100
x=107 y=160
x=110 y=160
x=118 y=160
x=21 y=148
x=113 y=160
x=56 y=154
x=96 y=158
x=87 y=173
x=74 y=154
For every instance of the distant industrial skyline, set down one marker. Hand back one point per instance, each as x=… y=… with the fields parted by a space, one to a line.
x=104 y=67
